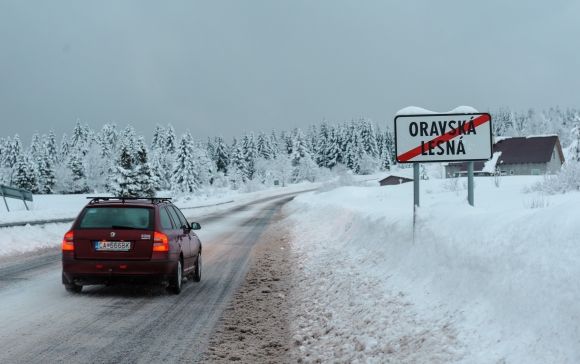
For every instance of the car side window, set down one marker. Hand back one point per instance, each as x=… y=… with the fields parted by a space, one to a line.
x=165 y=220
x=174 y=217
x=181 y=217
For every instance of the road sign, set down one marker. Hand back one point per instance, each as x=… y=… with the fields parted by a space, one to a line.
x=443 y=137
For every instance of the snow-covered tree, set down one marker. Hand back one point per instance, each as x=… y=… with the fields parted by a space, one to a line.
x=46 y=173
x=78 y=174
x=263 y=147
x=368 y=138
x=158 y=141
x=312 y=140
x=574 y=154
x=299 y=147
x=321 y=147
x=184 y=176
x=222 y=155
x=147 y=183
x=306 y=170
x=386 y=159
x=170 y=140
x=64 y=149
x=274 y=144
x=52 y=147
x=238 y=158
x=26 y=173
x=160 y=169
x=123 y=177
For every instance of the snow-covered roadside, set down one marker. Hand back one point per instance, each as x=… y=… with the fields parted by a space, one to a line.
x=21 y=239
x=485 y=284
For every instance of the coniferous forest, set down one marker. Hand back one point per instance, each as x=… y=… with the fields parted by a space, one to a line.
x=122 y=163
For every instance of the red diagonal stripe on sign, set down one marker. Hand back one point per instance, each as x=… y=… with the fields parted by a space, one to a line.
x=480 y=120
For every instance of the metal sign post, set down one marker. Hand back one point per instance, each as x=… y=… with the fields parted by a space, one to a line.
x=442 y=138
x=470 y=182
x=415 y=194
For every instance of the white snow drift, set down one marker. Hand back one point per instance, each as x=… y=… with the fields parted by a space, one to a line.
x=493 y=283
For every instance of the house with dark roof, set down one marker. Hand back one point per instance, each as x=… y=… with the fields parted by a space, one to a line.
x=533 y=155
x=394 y=180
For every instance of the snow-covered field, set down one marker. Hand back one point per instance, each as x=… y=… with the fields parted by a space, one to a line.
x=494 y=283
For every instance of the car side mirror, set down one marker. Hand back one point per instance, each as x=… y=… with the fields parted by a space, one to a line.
x=195 y=226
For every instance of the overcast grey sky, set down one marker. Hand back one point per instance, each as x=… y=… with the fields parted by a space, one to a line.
x=229 y=66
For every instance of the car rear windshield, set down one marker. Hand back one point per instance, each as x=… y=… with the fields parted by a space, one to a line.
x=112 y=217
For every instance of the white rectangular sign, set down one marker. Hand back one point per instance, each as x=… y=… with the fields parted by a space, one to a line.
x=443 y=137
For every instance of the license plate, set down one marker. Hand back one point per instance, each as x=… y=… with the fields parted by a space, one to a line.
x=118 y=246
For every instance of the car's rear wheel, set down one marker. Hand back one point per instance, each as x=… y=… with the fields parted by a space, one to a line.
x=197 y=273
x=175 y=286
x=73 y=288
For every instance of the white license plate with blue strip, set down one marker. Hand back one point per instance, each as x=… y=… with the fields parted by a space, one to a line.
x=117 y=246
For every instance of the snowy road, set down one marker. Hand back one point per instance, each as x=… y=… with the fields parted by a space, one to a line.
x=41 y=322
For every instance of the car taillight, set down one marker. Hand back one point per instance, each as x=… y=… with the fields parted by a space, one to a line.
x=160 y=242
x=67 y=241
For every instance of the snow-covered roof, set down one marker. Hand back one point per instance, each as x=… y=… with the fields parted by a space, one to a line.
x=414 y=110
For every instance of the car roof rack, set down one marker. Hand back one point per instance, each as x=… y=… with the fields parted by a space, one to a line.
x=154 y=200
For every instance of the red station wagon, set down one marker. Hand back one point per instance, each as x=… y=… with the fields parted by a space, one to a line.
x=130 y=240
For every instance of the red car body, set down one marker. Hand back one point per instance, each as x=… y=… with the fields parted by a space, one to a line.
x=122 y=240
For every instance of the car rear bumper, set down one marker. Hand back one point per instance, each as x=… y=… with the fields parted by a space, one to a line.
x=88 y=272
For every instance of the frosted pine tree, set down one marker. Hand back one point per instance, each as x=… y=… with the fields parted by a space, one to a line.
x=35 y=145
x=321 y=146
x=206 y=166
x=170 y=142
x=25 y=173
x=46 y=173
x=79 y=137
x=312 y=138
x=332 y=152
x=299 y=147
x=250 y=153
x=147 y=183
x=210 y=147
x=159 y=169
x=574 y=154
x=390 y=144
x=368 y=138
x=221 y=154
x=158 y=141
x=285 y=143
x=52 y=147
x=64 y=149
x=123 y=177
x=78 y=174
x=4 y=171
x=235 y=176
x=274 y=144
x=184 y=177
x=263 y=146
x=386 y=159
x=238 y=158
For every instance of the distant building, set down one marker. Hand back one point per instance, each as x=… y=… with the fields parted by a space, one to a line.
x=394 y=180
x=519 y=156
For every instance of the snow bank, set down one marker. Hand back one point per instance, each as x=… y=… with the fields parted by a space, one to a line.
x=486 y=284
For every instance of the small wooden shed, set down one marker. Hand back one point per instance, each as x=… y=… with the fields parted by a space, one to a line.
x=394 y=180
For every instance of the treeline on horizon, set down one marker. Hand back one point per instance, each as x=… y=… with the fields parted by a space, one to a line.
x=122 y=163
